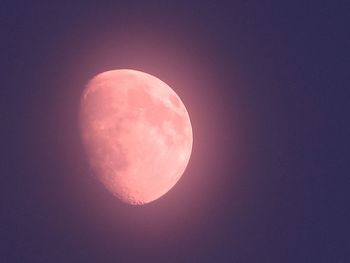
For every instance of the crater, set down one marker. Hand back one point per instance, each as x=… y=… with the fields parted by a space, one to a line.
x=175 y=100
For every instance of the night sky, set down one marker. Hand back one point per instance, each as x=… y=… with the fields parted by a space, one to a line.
x=266 y=84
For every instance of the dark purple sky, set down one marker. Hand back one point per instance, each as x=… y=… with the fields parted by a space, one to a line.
x=266 y=84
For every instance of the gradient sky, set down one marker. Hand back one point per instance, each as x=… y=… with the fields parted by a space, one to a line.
x=266 y=84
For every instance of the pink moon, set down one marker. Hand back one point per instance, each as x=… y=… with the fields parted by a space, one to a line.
x=137 y=134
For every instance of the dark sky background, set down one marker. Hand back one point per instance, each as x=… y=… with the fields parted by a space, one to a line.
x=266 y=84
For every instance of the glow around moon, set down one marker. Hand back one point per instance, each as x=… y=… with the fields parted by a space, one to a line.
x=137 y=134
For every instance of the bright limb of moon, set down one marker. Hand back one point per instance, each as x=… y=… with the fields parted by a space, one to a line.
x=137 y=134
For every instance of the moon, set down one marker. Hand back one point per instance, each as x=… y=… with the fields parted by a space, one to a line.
x=137 y=134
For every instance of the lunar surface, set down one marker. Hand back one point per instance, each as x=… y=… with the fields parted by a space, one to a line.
x=137 y=134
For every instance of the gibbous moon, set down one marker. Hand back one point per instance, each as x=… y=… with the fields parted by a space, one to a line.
x=137 y=134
